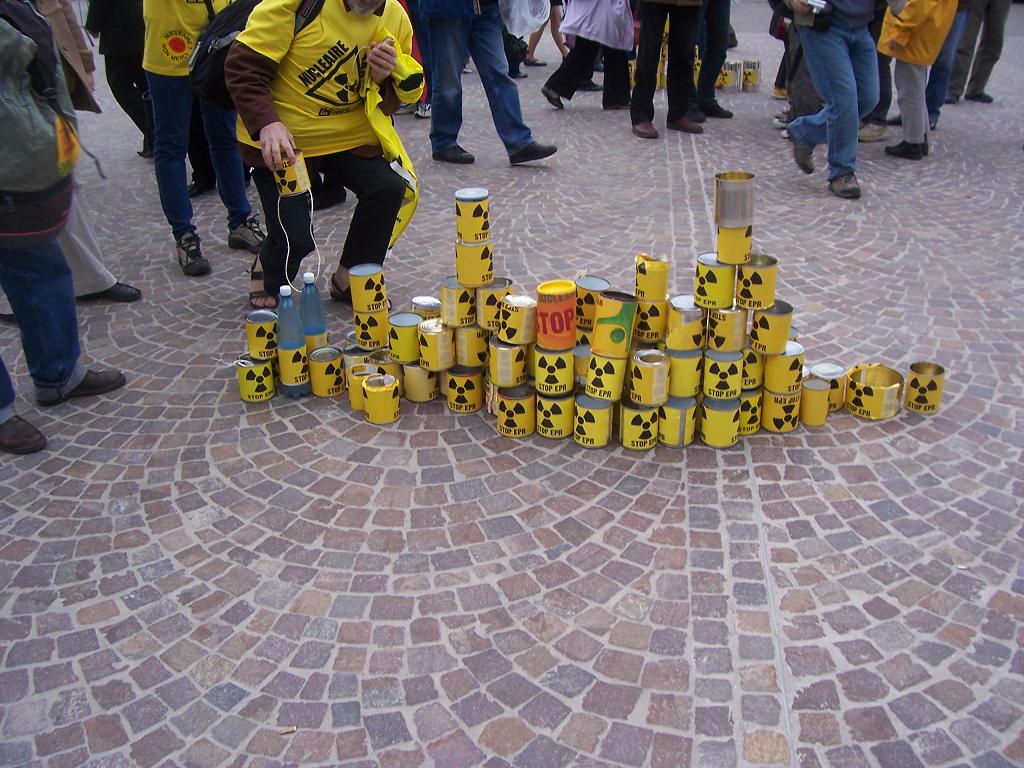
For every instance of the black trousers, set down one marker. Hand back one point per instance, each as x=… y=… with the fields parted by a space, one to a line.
x=880 y=113
x=127 y=82
x=379 y=190
x=715 y=18
x=682 y=36
x=578 y=66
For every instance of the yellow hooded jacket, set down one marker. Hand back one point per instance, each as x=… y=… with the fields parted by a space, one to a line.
x=920 y=29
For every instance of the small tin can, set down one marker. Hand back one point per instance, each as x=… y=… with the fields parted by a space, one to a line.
x=723 y=374
x=648 y=377
x=420 y=384
x=354 y=355
x=769 y=330
x=605 y=377
x=735 y=244
x=458 y=304
x=755 y=282
x=472 y=215
x=780 y=412
x=835 y=374
x=470 y=346
x=427 y=307
x=588 y=288
x=553 y=371
x=518 y=319
x=720 y=422
x=581 y=364
x=385 y=364
x=638 y=426
x=517 y=411
x=753 y=369
x=727 y=329
x=371 y=329
x=261 y=333
x=651 y=277
x=924 y=387
x=651 y=321
x=293 y=366
x=555 y=416
x=583 y=338
x=784 y=373
x=369 y=295
x=677 y=422
x=403 y=339
x=593 y=422
x=873 y=391
x=326 y=372
x=355 y=376
x=556 y=314
x=732 y=76
x=437 y=345
x=750 y=411
x=713 y=283
x=685 y=325
x=488 y=303
x=292 y=179
x=613 y=324
x=474 y=263
x=751 y=75
x=465 y=389
x=685 y=369
x=255 y=378
x=507 y=366
x=381 y=400
x=814 y=402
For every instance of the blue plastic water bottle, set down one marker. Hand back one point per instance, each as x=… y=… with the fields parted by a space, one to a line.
x=291 y=347
x=314 y=321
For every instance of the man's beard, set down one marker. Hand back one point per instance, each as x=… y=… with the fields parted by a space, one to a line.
x=364 y=7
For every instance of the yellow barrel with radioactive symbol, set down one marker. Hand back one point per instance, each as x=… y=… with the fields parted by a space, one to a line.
x=421 y=385
x=605 y=377
x=255 y=379
x=638 y=426
x=588 y=288
x=784 y=373
x=720 y=422
x=507 y=363
x=651 y=277
x=713 y=283
x=326 y=372
x=873 y=391
x=613 y=324
x=261 y=333
x=924 y=387
x=835 y=374
x=685 y=372
x=780 y=412
x=437 y=345
x=517 y=411
x=769 y=329
x=755 y=282
x=465 y=389
x=814 y=402
x=648 y=377
x=372 y=329
x=488 y=303
x=593 y=422
x=734 y=215
x=518 y=319
x=553 y=371
x=651 y=321
x=677 y=421
x=723 y=374
x=381 y=399
x=470 y=346
x=458 y=303
x=403 y=338
x=750 y=411
x=685 y=324
x=369 y=294
x=727 y=329
x=474 y=263
x=583 y=338
x=356 y=375
x=753 y=369
x=555 y=416
x=472 y=215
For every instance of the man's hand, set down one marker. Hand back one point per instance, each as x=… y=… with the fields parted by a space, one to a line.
x=801 y=6
x=276 y=143
x=381 y=60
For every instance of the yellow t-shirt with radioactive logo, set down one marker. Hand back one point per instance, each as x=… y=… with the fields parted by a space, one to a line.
x=321 y=70
x=172 y=28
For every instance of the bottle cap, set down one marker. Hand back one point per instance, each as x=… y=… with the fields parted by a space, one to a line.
x=308 y=278
x=286 y=290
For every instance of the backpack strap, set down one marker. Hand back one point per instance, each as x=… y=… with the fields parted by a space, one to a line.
x=307 y=12
x=209 y=9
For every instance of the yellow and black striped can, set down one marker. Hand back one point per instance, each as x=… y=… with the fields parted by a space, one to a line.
x=835 y=374
x=518 y=319
x=555 y=416
x=507 y=363
x=472 y=215
x=355 y=376
x=437 y=345
x=713 y=282
x=371 y=329
x=720 y=422
x=677 y=421
x=255 y=379
x=651 y=321
x=814 y=402
x=403 y=341
x=638 y=426
x=784 y=373
x=465 y=389
x=593 y=427
x=588 y=288
x=924 y=387
x=769 y=330
x=780 y=412
x=750 y=411
x=420 y=384
x=427 y=307
x=488 y=303
x=727 y=329
x=684 y=372
x=381 y=399
x=755 y=282
x=369 y=294
x=326 y=372
x=470 y=346
x=517 y=411
x=553 y=371
x=605 y=377
x=261 y=334
x=686 y=325
x=474 y=263
x=651 y=277
x=753 y=369
x=648 y=377
x=723 y=374
x=458 y=303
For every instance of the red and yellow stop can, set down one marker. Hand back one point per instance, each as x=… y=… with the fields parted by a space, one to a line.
x=556 y=314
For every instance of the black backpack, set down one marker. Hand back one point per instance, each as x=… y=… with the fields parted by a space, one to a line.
x=206 y=65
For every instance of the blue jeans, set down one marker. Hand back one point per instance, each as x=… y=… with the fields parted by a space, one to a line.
x=172 y=110
x=938 y=78
x=38 y=285
x=452 y=41
x=714 y=39
x=844 y=69
x=422 y=35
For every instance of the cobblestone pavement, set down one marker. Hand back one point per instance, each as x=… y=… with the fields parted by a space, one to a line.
x=186 y=580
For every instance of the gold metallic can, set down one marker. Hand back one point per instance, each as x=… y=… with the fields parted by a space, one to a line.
x=553 y=371
x=420 y=384
x=488 y=303
x=814 y=402
x=613 y=324
x=465 y=389
x=769 y=330
x=835 y=374
x=873 y=391
x=727 y=329
x=648 y=377
x=685 y=324
x=723 y=374
x=474 y=263
x=437 y=345
x=581 y=364
x=261 y=334
x=369 y=294
x=555 y=416
x=779 y=412
x=356 y=375
x=720 y=422
x=755 y=282
x=651 y=277
x=326 y=372
x=605 y=377
x=783 y=373
x=293 y=178
x=713 y=283
x=753 y=369
x=638 y=426
x=924 y=387
x=517 y=411
x=458 y=304
x=427 y=307
x=403 y=339
x=386 y=365
x=583 y=338
x=507 y=366
x=518 y=319
x=470 y=346
x=735 y=244
x=685 y=369
x=750 y=411
x=588 y=288
x=371 y=329
x=381 y=400
x=255 y=379
x=593 y=422
x=651 y=321
x=677 y=422
x=472 y=215
x=556 y=314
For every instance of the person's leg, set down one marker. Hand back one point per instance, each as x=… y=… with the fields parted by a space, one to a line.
x=219 y=125
x=682 y=31
x=502 y=95
x=616 y=78
x=880 y=114
x=289 y=239
x=422 y=34
x=781 y=74
x=6 y=394
x=203 y=175
x=78 y=242
x=555 y=24
x=910 y=84
x=531 y=47
x=122 y=78
x=172 y=108
x=965 y=54
x=938 y=77
x=574 y=69
x=803 y=99
x=716 y=16
x=449 y=43
x=652 y=28
x=990 y=47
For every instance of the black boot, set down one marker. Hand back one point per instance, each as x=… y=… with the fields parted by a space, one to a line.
x=906 y=150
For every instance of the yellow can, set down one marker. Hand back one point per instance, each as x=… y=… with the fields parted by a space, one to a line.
x=651 y=277
x=753 y=369
x=403 y=339
x=751 y=74
x=553 y=371
x=583 y=338
x=780 y=412
x=685 y=325
x=814 y=402
x=605 y=377
x=427 y=307
x=371 y=329
x=750 y=411
x=648 y=377
x=769 y=330
x=356 y=375
x=507 y=367
x=261 y=334
x=293 y=366
x=593 y=422
x=518 y=319
x=458 y=304
x=638 y=426
x=472 y=215
x=755 y=282
x=386 y=365
x=354 y=355
x=784 y=373
x=720 y=422
x=734 y=244
x=723 y=374
x=713 y=283
x=381 y=400
x=293 y=178
x=369 y=295
x=555 y=416
x=873 y=391
x=684 y=372
x=677 y=422
x=488 y=303
x=326 y=372
x=581 y=364
x=517 y=411
x=835 y=374
x=474 y=263
x=255 y=379
x=437 y=345
x=727 y=329
x=588 y=288
x=465 y=389
x=651 y=321
x=613 y=324
x=924 y=387
x=470 y=346
x=556 y=314
x=420 y=384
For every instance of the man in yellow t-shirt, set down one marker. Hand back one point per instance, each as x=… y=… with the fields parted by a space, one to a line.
x=172 y=28
x=310 y=92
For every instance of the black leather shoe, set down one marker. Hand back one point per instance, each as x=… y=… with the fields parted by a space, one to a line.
x=197 y=188
x=19 y=437
x=119 y=292
x=906 y=150
x=554 y=99
x=532 y=151
x=8 y=317
x=714 y=109
x=590 y=85
x=697 y=115
x=94 y=383
x=453 y=154
x=980 y=96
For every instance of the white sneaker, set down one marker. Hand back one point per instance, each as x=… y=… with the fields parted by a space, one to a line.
x=422 y=111
x=872 y=132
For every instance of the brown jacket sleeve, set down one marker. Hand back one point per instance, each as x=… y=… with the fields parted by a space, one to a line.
x=248 y=76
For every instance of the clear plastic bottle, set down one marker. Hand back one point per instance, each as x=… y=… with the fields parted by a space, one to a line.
x=291 y=347
x=314 y=321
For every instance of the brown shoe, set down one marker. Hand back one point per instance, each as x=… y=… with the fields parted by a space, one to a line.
x=645 y=130
x=19 y=437
x=845 y=186
x=804 y=156
x=685 y=124
x=94 y=383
